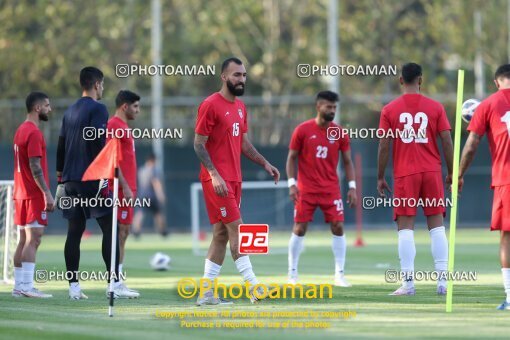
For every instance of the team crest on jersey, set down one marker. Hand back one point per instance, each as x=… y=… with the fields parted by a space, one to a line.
x=240 y=113
x=223 y=211
x=123 y=215
x=43 y=215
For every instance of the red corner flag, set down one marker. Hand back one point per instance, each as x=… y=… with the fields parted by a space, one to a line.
x=105 y=163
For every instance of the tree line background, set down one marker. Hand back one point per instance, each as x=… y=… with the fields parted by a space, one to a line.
x=44 y=44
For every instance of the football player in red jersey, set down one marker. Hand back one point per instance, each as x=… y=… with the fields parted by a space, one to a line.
x=32 y=196
x=220 y=139
x=413 y=122
x=127 y=108
x=492 y=117
x=316 y=145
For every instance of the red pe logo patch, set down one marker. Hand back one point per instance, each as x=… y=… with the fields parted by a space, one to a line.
x=253 y=238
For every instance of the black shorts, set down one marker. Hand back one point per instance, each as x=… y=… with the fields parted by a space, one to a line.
x=154 y=207
x=88 y=189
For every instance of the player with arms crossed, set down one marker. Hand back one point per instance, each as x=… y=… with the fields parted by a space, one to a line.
x=127 y=107
x=492 y=117
x=220 y=138
x=416 y=121
x=315 y=145
x=32 y=197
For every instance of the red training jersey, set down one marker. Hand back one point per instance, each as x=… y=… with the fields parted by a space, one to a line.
x=318 y=156
x=415 y=151
x=28 y=142
x=127 y=148
x=492 y=116
x=224 y=122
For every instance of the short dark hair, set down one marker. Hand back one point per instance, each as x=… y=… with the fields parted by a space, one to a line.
x=327 y=95
x=126 y=97
x=89 y=76
x=410 y=72
x=33 y=98
x=503 y=72
x=227 y=62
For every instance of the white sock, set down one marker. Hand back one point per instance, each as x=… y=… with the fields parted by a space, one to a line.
x=406 y=253
x=120 y=272
x=18 y=278
x=74 y=286
x=243 y=265
x=211 y=270
x=28 y=275
x=339 y=249
x=506 y=282
x=295 y=248
x=439 y=249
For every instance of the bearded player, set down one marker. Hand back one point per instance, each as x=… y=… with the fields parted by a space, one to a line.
x=220 y=139
x=492 y=117
x=315 y=146
x=127 y=108
x=416 y=122
x=32 y=197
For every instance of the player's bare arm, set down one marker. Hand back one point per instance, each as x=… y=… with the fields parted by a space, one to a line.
x=220 y=188
x=128 y=194
x=290 y=168
x=349 y=175
x=446 y=141
x=383 y=155
x=468 y=153
x=37 y=173
x=252 y=154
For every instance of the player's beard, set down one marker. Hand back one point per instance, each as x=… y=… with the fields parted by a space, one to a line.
x=235 y=90
x=43 y=116
x=328 y=116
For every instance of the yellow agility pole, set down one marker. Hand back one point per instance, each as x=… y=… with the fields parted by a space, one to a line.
x=455 y=187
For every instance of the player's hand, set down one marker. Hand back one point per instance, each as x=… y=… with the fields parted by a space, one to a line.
x=352 y=198
x=381 y=186
x=272 y=171
x=293 y=193
x=448 y=181
x=219 y=185
x=49 y=202
x=126 y=190
x=461 y=183
x=61 y=192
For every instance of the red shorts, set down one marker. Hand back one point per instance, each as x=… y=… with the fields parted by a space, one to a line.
x=30 y=210
x=424 y=187
x=224 y=209
x=125 y=214
x=501 y=208
x=331 y=205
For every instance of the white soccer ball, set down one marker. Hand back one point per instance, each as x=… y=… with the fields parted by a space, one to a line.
x=160 y=261
x=468 y=109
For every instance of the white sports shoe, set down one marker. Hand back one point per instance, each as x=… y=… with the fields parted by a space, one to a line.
x=77 y=294
x=126 y=287
x=340 y=281
x=404 y=291
x=259 y=296
x=209 y=299
x=36 y=293
x=16 y=293
x=122 y=292
x=292 y=280
x=292 y=277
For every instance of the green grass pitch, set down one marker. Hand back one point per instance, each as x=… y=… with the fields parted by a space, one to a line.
x=377 y=314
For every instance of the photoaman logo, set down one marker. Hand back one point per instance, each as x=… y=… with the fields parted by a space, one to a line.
x=253 y=239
